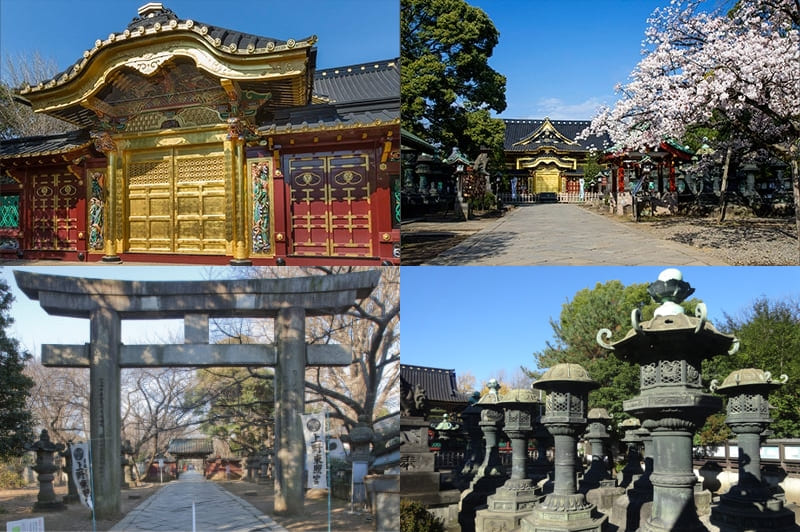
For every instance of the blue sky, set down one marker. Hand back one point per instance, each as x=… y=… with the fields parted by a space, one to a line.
x=562 y=59
x=349 y=31
x=34 y=327
x=484 y=319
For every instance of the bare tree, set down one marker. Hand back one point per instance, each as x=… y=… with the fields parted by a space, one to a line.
x=154 y=410
x=59 y=400
x=466 y=382
x=16 y=118
x=369 y=386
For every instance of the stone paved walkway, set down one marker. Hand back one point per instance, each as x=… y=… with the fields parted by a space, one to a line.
x=170 y=509
x=561 y=234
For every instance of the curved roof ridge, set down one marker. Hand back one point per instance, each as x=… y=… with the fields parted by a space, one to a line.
x=155 y=19
x=356 y=68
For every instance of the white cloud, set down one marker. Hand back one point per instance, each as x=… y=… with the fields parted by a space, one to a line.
x=558 y=109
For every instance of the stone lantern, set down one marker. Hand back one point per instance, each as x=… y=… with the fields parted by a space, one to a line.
x=361 y=436
x=633 y=467
x=749 y=505
x=670 y=349
x=626 y=510
x=491 y=474
x=597 y=436
x=127 y=465
x=473 y=456
x=45 y=467
x=540 y=468
x=446 y=431
x=517 y=496
x=567 y=387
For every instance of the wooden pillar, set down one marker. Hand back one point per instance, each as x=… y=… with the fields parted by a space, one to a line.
x=104 y=410
x=290 y=332
x=111 y=221
x=241 y=230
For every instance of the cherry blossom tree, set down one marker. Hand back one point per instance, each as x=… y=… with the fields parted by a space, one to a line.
x=737 y=70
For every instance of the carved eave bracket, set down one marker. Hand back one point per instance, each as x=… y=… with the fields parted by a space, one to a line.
x=74 y=96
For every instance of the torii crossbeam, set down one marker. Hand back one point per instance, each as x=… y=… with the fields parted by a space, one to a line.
x=106 y=302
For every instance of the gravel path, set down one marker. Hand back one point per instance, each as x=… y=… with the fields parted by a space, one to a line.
x=739 y=242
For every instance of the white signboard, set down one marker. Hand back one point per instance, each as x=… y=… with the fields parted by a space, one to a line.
x=35 y=524
x=81 y=472
x=791 y=452
x=770 y=453
x=316 y=463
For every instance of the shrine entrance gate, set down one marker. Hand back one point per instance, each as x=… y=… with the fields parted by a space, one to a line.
x=106 y=302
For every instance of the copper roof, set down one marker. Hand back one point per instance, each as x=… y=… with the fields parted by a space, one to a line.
x=439 y=384
x=359 y=83
x=153 y=19
x=45 y=145
x=519 y=129
x=194 y=446
x=360 y=95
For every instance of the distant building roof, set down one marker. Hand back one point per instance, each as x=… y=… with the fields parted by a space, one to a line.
x=440 y=385
x=191 y=446
x=351 y=96
x=376 y=80
x=532 y=134
x=45 y=145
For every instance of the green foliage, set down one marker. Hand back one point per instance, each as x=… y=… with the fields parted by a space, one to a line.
x=715 y=432
x=447 y=85
x=236 y=401
x=16 y=422
x=591 y=168
x=608 y=306
x=10 y=479
x=769 y=334
x=484 y=202
x=415 y=518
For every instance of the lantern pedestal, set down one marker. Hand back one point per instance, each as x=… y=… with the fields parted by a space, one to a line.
x=750 y=504
x=517 y=497
x=566 y=509
x=670 y=349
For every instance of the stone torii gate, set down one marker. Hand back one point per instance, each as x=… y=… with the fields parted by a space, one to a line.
x=106 y=302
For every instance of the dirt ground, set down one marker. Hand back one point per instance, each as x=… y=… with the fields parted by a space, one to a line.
x=427 y=237
x=18 y=503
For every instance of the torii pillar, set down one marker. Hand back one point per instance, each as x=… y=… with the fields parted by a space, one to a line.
x=106 y=302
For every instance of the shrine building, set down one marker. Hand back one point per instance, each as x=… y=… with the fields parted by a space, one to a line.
x=200 y=144
x=545 y=156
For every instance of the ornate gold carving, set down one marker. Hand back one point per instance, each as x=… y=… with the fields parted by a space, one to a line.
x=149 y=172
x=197 y=169
x=104 y=142
x=149 y=62
x=348 y=177
x=307 y=179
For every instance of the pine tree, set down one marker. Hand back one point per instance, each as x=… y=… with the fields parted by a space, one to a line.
x=16 y=422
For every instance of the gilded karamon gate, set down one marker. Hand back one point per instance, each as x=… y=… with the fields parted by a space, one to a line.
x=106 y=302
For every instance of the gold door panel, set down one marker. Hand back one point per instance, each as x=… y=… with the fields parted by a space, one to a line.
x=150 y=206
x=548 y=180
x=176 y=203
x=200 y=205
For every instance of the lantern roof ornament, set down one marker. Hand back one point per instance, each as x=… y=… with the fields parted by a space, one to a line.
x=519 y=396
x=575 y=374
x=746 y=379
x=670 y=290
x=493 y=397
x=669 y=320
x=598 y=414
